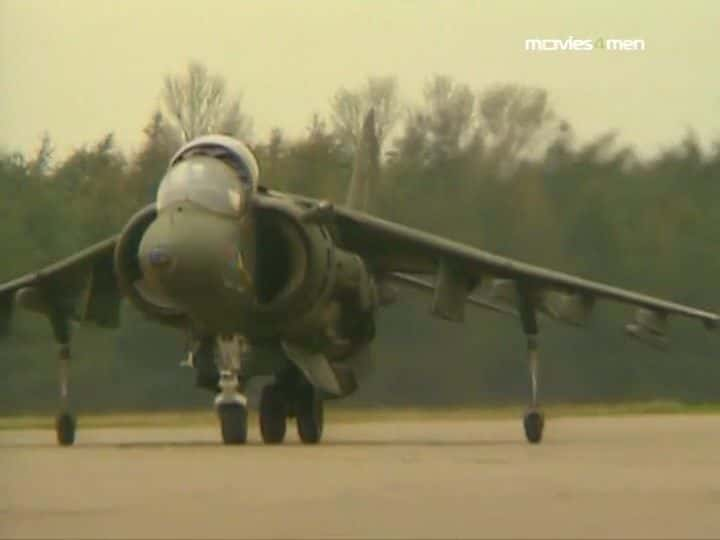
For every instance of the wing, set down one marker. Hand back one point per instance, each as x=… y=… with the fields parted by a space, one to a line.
x=391 y=248
x=82 y=287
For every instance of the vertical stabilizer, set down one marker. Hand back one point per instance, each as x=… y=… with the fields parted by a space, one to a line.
x=366 y=168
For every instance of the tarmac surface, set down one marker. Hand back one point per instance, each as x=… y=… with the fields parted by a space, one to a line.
x=623 y=477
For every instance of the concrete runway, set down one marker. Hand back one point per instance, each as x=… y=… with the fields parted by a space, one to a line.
x=650 y=476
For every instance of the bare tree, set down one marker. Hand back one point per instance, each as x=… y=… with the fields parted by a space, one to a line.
x=516 y=119
x=449 y=117
x=350 y=107
x=198 y=103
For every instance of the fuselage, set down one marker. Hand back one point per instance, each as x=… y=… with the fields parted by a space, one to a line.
x=235 y=267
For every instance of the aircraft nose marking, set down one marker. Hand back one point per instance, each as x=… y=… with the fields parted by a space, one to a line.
x=159 y=257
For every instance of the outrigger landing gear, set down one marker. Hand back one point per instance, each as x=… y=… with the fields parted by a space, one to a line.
x=534 y=419
x=65 y=422
x=230 y=404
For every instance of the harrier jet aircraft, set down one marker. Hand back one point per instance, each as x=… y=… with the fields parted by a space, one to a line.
x=269 y=283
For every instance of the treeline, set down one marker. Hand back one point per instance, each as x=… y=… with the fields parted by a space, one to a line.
x=498 y=169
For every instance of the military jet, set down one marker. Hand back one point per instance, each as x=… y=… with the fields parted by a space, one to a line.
x=265 y=283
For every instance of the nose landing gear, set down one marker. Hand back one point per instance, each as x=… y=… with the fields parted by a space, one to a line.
x=230 y=404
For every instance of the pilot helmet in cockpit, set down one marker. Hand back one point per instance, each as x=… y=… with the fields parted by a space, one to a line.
x=227 y=149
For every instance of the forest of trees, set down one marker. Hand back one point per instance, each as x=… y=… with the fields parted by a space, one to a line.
x=495 y=167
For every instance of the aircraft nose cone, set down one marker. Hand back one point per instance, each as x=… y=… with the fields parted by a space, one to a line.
x=159 y=257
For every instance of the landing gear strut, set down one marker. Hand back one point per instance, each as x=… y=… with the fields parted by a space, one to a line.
x=65 y=422
x=534 y=419
x=230 y=404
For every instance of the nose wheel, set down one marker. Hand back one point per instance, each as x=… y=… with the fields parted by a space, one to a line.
x=233 y=422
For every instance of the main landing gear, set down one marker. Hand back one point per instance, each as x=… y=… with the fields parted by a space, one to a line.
x=277 y=403
x=273 y=414
x=291 y=397
x=309 y=414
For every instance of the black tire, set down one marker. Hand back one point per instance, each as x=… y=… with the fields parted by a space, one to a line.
x=534 y=423
x=233 y=423
x=273 y=414
x=65 y=429
x=310 y=415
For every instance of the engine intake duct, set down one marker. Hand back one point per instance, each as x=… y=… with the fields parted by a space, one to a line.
x=280 y=257
x=130 y=277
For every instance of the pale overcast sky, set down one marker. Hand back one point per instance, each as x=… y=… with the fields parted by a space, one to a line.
x=81 y=68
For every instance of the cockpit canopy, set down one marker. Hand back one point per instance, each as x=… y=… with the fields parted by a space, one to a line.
x=216 y=172
x=229 y=150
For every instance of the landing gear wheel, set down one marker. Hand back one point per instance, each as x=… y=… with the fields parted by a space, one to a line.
x=309 y=412
x=534 y=422
x=65 y=429
x=273 y=414
x=233 y=422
